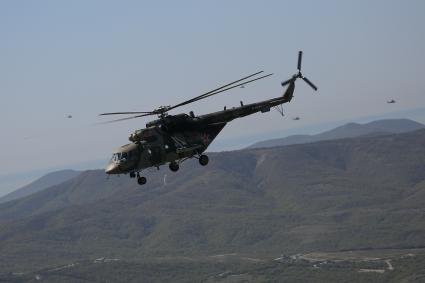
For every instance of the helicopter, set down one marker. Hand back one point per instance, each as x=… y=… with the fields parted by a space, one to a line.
x=173 y=139
x=296 y=118
x=391 y=101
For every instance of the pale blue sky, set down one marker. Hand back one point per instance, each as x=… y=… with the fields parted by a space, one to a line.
x=87 y=57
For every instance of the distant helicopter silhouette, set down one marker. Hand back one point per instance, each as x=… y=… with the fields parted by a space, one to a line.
x=391 y=101
x=296 y=118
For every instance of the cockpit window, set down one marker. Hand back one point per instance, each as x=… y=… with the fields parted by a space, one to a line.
x=121 y=156
x=117 y=157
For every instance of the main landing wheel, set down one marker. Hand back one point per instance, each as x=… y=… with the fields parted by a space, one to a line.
x=174 y=166
x=203 y=160
x=141 y=180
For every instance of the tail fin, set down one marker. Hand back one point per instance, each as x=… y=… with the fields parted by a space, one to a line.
x=289 y=93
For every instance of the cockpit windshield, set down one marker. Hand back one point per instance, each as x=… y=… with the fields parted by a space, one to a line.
x=132 y=155
x=118 y=157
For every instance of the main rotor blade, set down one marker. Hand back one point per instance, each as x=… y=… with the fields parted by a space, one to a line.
x=211 y=91
x=126 y=113
x=309 y=83
x=127 y=118
x=220 y=90
x=300 y=57
x=226 y=89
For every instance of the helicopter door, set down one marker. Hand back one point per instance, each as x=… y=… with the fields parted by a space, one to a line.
x=155 y=154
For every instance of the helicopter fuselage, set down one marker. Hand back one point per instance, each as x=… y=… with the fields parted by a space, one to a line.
x=174 y=138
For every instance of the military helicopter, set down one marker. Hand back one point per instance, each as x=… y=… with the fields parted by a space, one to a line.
x=173 y=139
x=296 y=118
x=391 y=101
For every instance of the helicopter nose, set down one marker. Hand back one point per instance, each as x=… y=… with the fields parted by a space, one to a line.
x=112 y=169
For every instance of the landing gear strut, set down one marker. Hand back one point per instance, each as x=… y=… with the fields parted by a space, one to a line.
x=203 y=160
x=174 y=166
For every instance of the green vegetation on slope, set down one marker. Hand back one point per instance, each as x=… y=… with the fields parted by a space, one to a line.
x=335 y=195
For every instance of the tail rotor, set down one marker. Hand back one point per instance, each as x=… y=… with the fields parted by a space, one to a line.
x=299 y=75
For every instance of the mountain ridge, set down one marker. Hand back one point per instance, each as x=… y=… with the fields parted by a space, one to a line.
x=48 y=180
x=375 y=128
x=349 y=130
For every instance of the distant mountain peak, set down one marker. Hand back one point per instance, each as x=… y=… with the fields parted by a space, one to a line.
x=349 y=130
x=46 y=181
x=351 y=124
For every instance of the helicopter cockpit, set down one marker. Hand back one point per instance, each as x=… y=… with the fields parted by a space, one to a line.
x=124 y=158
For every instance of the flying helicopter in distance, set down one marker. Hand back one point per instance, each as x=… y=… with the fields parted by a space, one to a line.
x=391 y=101
x=173 y=139
x=296 y=118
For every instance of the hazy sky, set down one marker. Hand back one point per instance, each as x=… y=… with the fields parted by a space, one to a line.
x=82 y=58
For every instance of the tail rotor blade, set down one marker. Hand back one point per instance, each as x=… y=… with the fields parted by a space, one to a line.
x=309 y=83
x=286 y=82
x=300 y=57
